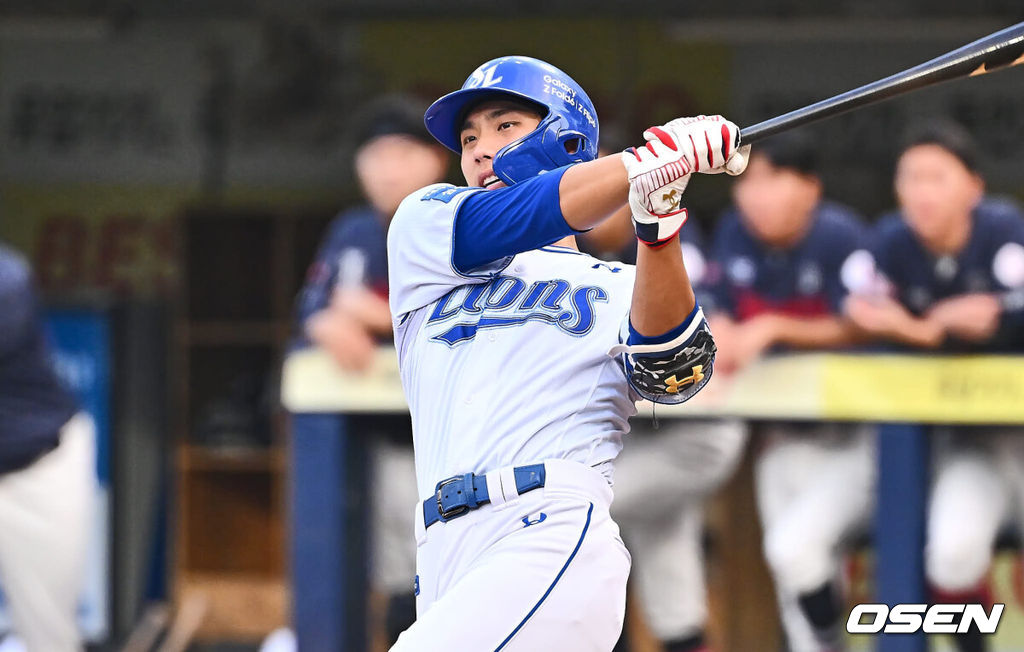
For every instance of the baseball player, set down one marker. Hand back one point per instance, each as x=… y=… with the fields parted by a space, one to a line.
x=343 y=308
x=664 y=478
x=521 y=358
x=951 y=271
x=47 y=475
x=781 y=261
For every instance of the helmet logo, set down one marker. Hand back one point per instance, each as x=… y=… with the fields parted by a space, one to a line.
x=567 y=132
x=483 y=77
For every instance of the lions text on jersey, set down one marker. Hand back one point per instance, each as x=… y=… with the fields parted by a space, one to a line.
x=506 y=362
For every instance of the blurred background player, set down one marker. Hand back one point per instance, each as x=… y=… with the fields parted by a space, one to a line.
x=344 y=309
x=775 y=283
x=47 y=476
x=666 y=474
x=951 y=266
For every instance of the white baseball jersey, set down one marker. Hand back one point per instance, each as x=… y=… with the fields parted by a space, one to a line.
x=508 y=365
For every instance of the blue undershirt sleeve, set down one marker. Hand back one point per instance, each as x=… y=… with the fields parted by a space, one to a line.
x=636 y=338
x=492 y=225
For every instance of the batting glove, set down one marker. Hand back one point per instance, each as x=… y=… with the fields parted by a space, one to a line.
x=659 y=171
x=714 y=144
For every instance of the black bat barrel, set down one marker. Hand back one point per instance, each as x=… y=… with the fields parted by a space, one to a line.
x=1001 y=49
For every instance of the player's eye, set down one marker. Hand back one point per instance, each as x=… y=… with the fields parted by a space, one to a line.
x=467 y=139
x=506 y=125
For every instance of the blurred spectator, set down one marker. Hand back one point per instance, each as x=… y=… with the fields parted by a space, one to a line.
x=951 y=261
x=344 y=309
x=664 y=476
x=951 y=277
x=775 y=278
x=47 y=475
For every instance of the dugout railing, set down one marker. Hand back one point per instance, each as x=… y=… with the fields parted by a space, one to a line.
x=904 y=394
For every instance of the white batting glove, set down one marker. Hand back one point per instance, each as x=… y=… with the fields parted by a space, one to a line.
x=713 y=143
x=659 y=171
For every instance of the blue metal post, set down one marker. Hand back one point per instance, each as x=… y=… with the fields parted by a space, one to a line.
x=329 y=542
x=900 y=525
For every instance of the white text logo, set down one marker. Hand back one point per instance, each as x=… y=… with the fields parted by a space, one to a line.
x=483 y=77
x=909 y=618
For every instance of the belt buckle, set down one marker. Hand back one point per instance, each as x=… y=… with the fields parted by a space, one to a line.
x=454 y=510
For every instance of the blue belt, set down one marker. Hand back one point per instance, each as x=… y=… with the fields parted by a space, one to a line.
x=458 y=494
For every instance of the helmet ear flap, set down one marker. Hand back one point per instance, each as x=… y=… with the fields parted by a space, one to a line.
x=536 y=151
x=551 y=145
x=574 y=144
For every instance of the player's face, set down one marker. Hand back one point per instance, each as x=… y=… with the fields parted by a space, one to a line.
x=936 y=191
x=486 y=129
x=776 y=203
x=390 y=167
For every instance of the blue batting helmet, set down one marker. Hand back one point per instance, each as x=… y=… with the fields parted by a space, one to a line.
x=567 y=132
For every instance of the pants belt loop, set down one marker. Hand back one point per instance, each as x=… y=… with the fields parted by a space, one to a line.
x=508 y=483
x=420 y=526
x=494 y=489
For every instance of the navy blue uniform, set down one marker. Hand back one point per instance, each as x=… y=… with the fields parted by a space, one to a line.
x=812 y=479
x=747 y=277
x=33 y=404
x=992 y=261
x=354 y=253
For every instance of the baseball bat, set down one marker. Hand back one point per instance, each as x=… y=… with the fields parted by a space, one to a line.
x=1002 y=49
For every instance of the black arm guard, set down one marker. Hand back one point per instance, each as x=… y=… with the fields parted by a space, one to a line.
x=675 y=373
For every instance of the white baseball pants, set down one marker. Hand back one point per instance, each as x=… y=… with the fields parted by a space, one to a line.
x=978 y=487
x=45 y=521
x=815 y=487
x=545 y=570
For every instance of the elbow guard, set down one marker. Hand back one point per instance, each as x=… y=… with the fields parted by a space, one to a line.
x=670 y=372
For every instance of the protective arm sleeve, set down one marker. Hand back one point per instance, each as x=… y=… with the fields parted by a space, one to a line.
x=672 y=367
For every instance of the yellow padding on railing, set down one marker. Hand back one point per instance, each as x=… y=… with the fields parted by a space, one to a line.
x=813 y=386
x=975 y=389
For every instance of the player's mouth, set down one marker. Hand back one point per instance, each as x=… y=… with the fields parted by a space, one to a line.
x=489 y=181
